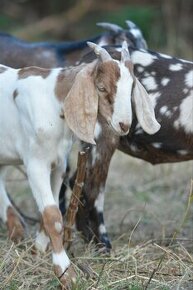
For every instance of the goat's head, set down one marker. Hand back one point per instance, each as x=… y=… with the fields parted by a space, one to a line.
x=105 y=87
x=133 y=35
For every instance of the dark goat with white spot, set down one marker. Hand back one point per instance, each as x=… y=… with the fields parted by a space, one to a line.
x=169 y=82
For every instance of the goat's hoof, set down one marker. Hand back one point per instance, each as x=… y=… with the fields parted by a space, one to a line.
x=14 y=225
x=68 y=279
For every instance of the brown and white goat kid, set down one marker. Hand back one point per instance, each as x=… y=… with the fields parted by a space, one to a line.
x=34 y=133
x=169 y=83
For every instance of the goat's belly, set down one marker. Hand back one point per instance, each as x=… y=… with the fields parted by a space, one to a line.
x=10 y=141
x=155 y=152
x=8 y=150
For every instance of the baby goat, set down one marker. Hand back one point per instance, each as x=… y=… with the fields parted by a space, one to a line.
x=169 y=83
x=40 y=111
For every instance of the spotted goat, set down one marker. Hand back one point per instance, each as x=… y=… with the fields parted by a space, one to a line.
x=169 y=83
x=41 y=111
x=18 y=53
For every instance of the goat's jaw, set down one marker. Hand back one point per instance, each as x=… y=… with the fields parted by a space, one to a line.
x=117 y=130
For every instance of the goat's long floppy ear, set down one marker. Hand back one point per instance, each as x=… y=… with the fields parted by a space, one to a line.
x=81 y=105
x=144 y=109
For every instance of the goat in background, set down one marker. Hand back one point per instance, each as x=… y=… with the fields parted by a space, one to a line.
x=18 y=53
x=169 y=83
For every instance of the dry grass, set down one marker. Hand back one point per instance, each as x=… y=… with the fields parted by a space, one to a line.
x=149 y=217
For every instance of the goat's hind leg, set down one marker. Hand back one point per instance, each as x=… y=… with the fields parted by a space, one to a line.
x=7 y=212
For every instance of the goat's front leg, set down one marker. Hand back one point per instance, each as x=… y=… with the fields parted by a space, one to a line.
x=8 y=213
x=39 y=179
x=42 y=239
x=90 y=219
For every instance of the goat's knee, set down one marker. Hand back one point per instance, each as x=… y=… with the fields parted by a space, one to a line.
x=53 y=225
x=15 y=228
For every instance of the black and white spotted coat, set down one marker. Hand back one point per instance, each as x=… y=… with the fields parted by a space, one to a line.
x=169 y=82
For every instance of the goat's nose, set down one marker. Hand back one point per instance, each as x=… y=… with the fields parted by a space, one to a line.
x=124 y=127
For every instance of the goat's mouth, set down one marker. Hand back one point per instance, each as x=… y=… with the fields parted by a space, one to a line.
x=118 y=132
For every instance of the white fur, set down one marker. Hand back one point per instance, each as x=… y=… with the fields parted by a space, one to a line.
x=189 y=79
x=102 y=229
x=165 y=55
x=61 y=259
x=145 y=59
x=175 y=67
x=42 y=241
x=97 y=130
x=149 y=83
x=156 y=145
x=4 y=200
x=122 y=104
x=165 y=81
x=186 y=114
x=99 y=202
x=163 y=110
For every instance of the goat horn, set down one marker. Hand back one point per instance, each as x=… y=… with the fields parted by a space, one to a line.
x=110 y=26
x=131 y=24
x=99 y=51
x=125 y=55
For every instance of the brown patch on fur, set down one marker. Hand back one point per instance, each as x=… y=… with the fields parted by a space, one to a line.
x=65 y=81
x=107 y=76
x=15 y=228
x=2 y=69
x=68 y=279
x=33 y=71
x=15 y=94
x=58 y=270
x=50 y=216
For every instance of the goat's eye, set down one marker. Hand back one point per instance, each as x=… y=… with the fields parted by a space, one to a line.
x=109 y=99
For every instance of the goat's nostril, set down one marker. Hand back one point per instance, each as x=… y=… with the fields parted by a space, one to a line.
x=124 y=127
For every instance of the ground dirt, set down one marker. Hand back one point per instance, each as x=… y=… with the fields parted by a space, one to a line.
x=148 y=213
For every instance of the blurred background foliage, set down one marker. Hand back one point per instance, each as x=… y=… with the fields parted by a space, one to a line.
x=167 y=24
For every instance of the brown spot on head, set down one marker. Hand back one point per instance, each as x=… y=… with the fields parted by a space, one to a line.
x=107 y=75
x=15 y=93
x=2 y=69
x=33 y=71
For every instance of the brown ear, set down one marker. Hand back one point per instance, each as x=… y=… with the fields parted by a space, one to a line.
x=81 y=105
x=144 y=109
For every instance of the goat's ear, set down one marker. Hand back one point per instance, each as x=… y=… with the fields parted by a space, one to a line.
x=81 y=105
x=144 y=109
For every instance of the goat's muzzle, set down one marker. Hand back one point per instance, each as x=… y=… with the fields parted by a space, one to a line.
x=124 y=127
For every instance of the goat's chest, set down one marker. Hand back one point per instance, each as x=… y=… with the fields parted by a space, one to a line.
x=47 y=137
